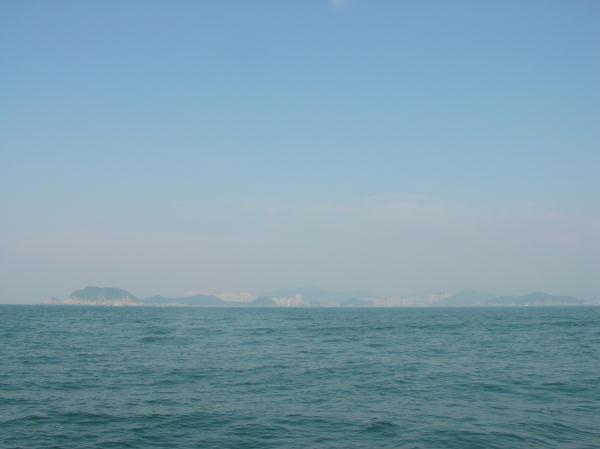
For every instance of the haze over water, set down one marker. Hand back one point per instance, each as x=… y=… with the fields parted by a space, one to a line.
x=74 y=377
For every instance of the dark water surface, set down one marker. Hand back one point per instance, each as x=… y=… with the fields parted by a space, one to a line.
x=76 y=377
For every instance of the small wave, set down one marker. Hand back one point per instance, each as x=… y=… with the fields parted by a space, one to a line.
x=154 y=339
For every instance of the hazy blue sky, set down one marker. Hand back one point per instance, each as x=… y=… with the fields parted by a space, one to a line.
x=395 y=146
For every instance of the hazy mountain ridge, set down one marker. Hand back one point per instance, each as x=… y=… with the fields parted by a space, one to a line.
x=315 y=297
x=470 y=298
x=293 y=297
x=109 y=296
x=194 y=300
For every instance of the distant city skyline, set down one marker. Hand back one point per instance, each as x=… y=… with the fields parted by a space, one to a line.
x=395 y=147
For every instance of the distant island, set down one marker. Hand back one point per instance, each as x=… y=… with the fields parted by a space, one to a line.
x=313 y=297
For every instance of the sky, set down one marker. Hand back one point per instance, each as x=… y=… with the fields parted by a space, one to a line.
x=398 y=147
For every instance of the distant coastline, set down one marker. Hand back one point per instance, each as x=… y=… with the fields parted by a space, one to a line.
x=313 y=297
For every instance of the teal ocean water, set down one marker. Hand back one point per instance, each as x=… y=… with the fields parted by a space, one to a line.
x=76 y=377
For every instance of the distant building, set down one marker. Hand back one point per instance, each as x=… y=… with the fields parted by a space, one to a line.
x=293 y=301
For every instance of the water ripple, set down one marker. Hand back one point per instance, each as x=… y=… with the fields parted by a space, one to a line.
x=321 y=378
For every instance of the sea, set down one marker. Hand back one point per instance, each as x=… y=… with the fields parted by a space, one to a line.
x=94 y=377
